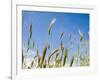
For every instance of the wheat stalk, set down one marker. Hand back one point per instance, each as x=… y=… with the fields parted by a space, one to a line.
x=43 y=56
x=51 y=25
x=81 y=35
x=61 y=34
x=30 y=31
x=65 y=56
x=72 y=60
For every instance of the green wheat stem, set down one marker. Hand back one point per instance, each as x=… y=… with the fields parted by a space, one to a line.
x=72 y=60
x=65 y=56
x=43 y=56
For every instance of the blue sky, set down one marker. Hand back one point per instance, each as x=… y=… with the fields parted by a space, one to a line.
x=69 y=23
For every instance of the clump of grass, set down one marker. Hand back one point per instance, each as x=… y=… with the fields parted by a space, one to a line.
x=84 y=60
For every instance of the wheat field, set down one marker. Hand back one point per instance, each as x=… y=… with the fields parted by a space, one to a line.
x=64 y=49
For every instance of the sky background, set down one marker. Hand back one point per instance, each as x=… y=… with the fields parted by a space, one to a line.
x=69 y=23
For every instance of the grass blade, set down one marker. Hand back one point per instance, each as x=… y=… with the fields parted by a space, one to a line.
x=30 y=31
x=55 y=51
x=61 y=35
x=71 y=63
x=22 y=58
x=81 y=35
x=65 y=56
x=43 y=56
